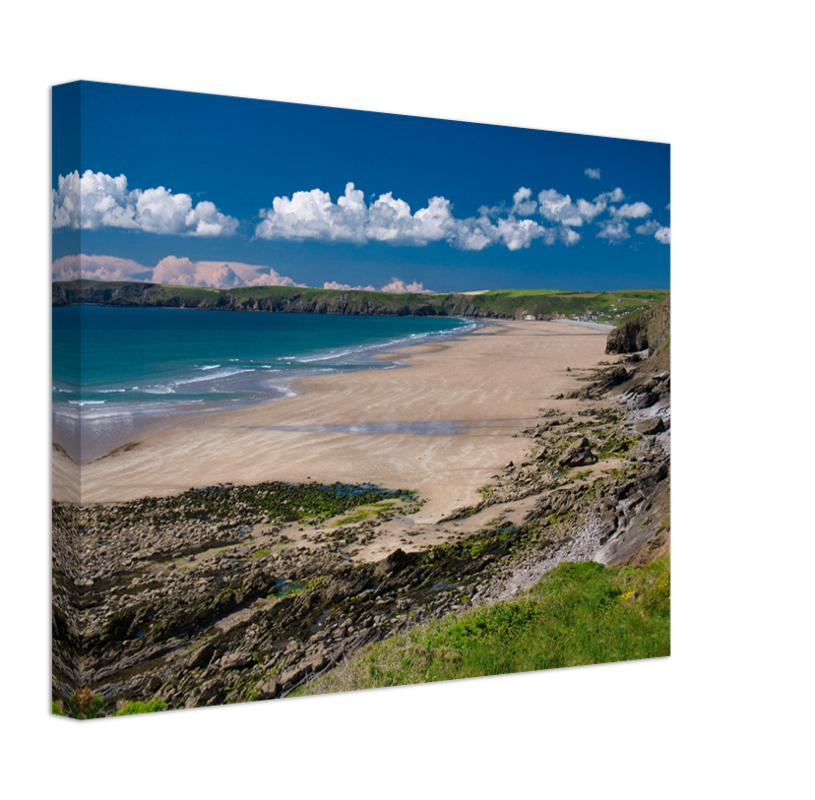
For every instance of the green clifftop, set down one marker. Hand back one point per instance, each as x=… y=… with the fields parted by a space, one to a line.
x=496 y=304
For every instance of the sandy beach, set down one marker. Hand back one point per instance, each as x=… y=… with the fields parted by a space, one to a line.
x=443 y=426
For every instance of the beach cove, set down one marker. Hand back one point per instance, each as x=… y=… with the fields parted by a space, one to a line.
x=443 y=426
x=405 y=497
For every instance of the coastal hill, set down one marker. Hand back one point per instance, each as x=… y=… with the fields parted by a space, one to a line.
x=542 y=304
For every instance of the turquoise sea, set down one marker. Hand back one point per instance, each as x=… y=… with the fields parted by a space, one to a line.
x=113 y=369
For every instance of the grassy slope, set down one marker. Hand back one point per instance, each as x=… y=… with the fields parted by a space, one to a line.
x=578 y=614
x=610 y=307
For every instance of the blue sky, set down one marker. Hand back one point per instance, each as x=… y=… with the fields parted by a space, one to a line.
x=221 y=191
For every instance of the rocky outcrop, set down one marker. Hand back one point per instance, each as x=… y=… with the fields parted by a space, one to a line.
x=650 y=329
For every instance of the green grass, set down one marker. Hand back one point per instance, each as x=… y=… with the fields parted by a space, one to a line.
x=578 y=614
x=132 y=707
x=361 y=514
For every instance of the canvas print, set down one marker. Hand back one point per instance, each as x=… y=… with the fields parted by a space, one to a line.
x=345 y=400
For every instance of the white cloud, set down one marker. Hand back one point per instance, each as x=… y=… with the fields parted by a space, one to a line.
x=170 y=270
x=518 y=234
x=217 y=274
x=614 y=231
x=65 y=206
x=631 y=211
x=312 y=215
x=568 y=236
x=100 y=268
x=663 y=235
x=648 y=228
x=97 y=200
x=592 y=173
x=589 y=211
x=399 y=286
x=522 y=204
x=391 y=219
x=559 y=208
x=653 y=228
x=347 y=287
x=474 y=234
x=432 y=223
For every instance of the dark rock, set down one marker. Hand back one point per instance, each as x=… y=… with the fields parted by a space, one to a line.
x=343 y=586
x=269 y=690
x=395 y=562
x=201 y=657
x=578 y=455
x=237 y=660
x=315 y=663
x=291 y=676
x=645 y=400
x=650 y=427
x=607 y=526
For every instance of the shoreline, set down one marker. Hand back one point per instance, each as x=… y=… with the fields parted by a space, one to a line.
x=228 y=596
x=437 y=427
x=109 y=422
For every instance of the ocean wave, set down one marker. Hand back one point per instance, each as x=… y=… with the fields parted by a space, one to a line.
x=227 y=373
x=159 y=390
x=329 y=356
x=212 y=366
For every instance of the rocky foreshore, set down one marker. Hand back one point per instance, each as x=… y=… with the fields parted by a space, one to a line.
x=229 y=594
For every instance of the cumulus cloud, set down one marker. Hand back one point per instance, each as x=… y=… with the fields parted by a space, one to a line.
x=517 y=234
x=559 y=208
x=312 y=215
x=170 y=270
x=631 y=211
x=663 y=235
x=217 y=274
x=522 y=204
x=100 y=268
x=97 y=200
x=647 y=228
x=614 y=231
x=347 y=287
x=653 y=228
x=399 y=286
x=474 y=234
x=65 y=204
x=592 y=173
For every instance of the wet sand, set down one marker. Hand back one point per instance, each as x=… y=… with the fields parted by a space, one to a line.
x=443 y=426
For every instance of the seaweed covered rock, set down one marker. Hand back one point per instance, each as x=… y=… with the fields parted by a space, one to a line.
x=578 y=455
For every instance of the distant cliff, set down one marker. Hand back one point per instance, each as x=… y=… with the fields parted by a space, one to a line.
x=498 y=304
x=650 y=328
